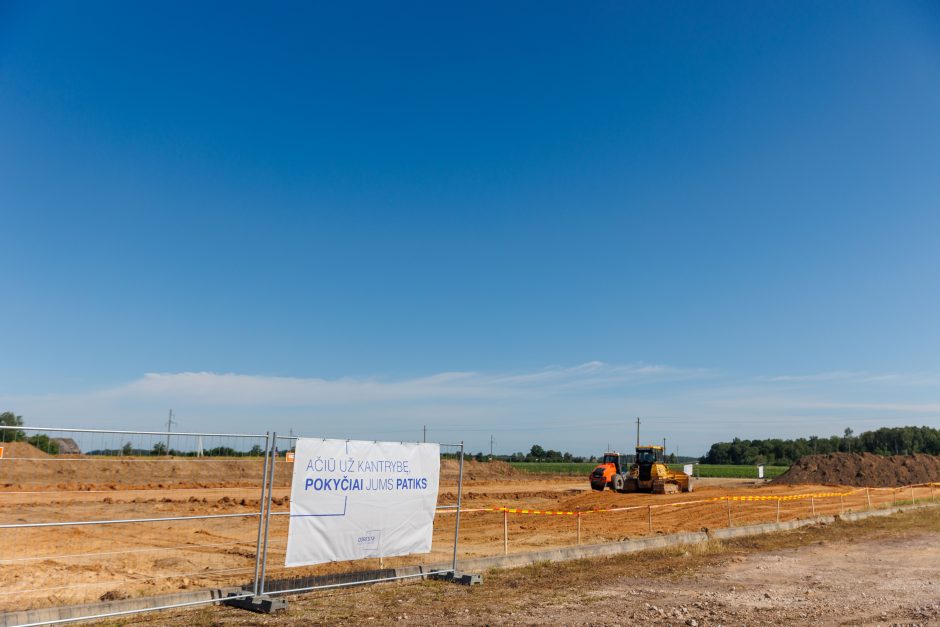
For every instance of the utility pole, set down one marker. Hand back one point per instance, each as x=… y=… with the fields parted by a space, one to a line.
x=492 y=442
x=424 y=437
x=169 y=427
x=664 y=449
x=637 y=430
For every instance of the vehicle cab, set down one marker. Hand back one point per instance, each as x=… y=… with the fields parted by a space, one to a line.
x=611 y=464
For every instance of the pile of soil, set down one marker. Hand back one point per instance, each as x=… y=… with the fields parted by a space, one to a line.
x=863 y=470
x=21 y=449
x=26 y=467
x=35 y=470
x=474 y=470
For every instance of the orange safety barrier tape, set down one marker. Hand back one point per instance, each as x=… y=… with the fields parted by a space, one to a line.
x=781 y=497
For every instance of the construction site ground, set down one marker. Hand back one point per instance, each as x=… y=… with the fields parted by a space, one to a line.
x=50 y=566
x=879 y=571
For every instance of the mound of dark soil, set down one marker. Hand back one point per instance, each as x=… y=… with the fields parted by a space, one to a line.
x=863 y=470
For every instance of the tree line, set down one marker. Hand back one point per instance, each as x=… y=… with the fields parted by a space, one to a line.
x=775 y=451
x=48 y=445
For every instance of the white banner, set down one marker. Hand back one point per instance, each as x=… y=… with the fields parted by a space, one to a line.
x=688 y=469
x=352 y=499
x=760 y=472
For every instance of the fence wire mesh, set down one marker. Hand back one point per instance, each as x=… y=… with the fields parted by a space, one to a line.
x=94 y=515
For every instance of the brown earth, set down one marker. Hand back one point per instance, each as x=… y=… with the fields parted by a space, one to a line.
x=27 y=468
x=21 y=449
x=880 y=571
x=61 y=565
x=863 y=470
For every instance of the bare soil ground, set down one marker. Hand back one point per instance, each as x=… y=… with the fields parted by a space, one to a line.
x=46 y=566
x=881 y=571
x=863 y=469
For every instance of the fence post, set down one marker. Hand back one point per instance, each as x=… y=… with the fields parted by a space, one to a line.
x=264 y=486
x=649 y=517
x=778 y=510
x=505 y=532
x=579 y=528
x=812 y=503
x=868 y=495
x=267 y=516
x=730 y=522
x=459 y=499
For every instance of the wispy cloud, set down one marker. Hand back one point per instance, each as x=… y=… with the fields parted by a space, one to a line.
x=579 y=407
x=239 y=389
x=232 y=389
x=857 y=377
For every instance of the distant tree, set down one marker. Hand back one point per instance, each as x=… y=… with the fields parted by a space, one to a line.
x=43 y=443
x=847 y=437
x=478 y=457
x=256 y=451
x=127 y=449
x=222 y=451
x=9 y=419
x=884 y=441
x=159 y=448
x=537 y=452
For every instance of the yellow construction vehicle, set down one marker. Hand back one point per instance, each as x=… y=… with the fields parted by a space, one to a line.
x=648 y=473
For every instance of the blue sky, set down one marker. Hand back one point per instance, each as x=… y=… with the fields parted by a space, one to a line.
x=535 y=220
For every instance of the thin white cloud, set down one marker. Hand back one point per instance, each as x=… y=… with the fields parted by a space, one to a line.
x=855 y=377
x=231 y=389
x=579 y=408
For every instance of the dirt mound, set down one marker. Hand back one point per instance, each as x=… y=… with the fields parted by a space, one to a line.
x=38 y=471
x=863 y=470
x=21 y=449
x=35 y=470
x=474 y=470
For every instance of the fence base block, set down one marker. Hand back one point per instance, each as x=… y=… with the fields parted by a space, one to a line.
x=263 y=604
x=464 y=579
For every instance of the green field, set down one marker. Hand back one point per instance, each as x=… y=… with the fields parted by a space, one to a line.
x=701 y=470
x=555 y=468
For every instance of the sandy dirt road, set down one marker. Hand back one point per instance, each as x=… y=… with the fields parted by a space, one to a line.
x=881 y=571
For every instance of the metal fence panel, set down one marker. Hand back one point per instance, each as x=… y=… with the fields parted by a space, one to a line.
x=90 y=515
